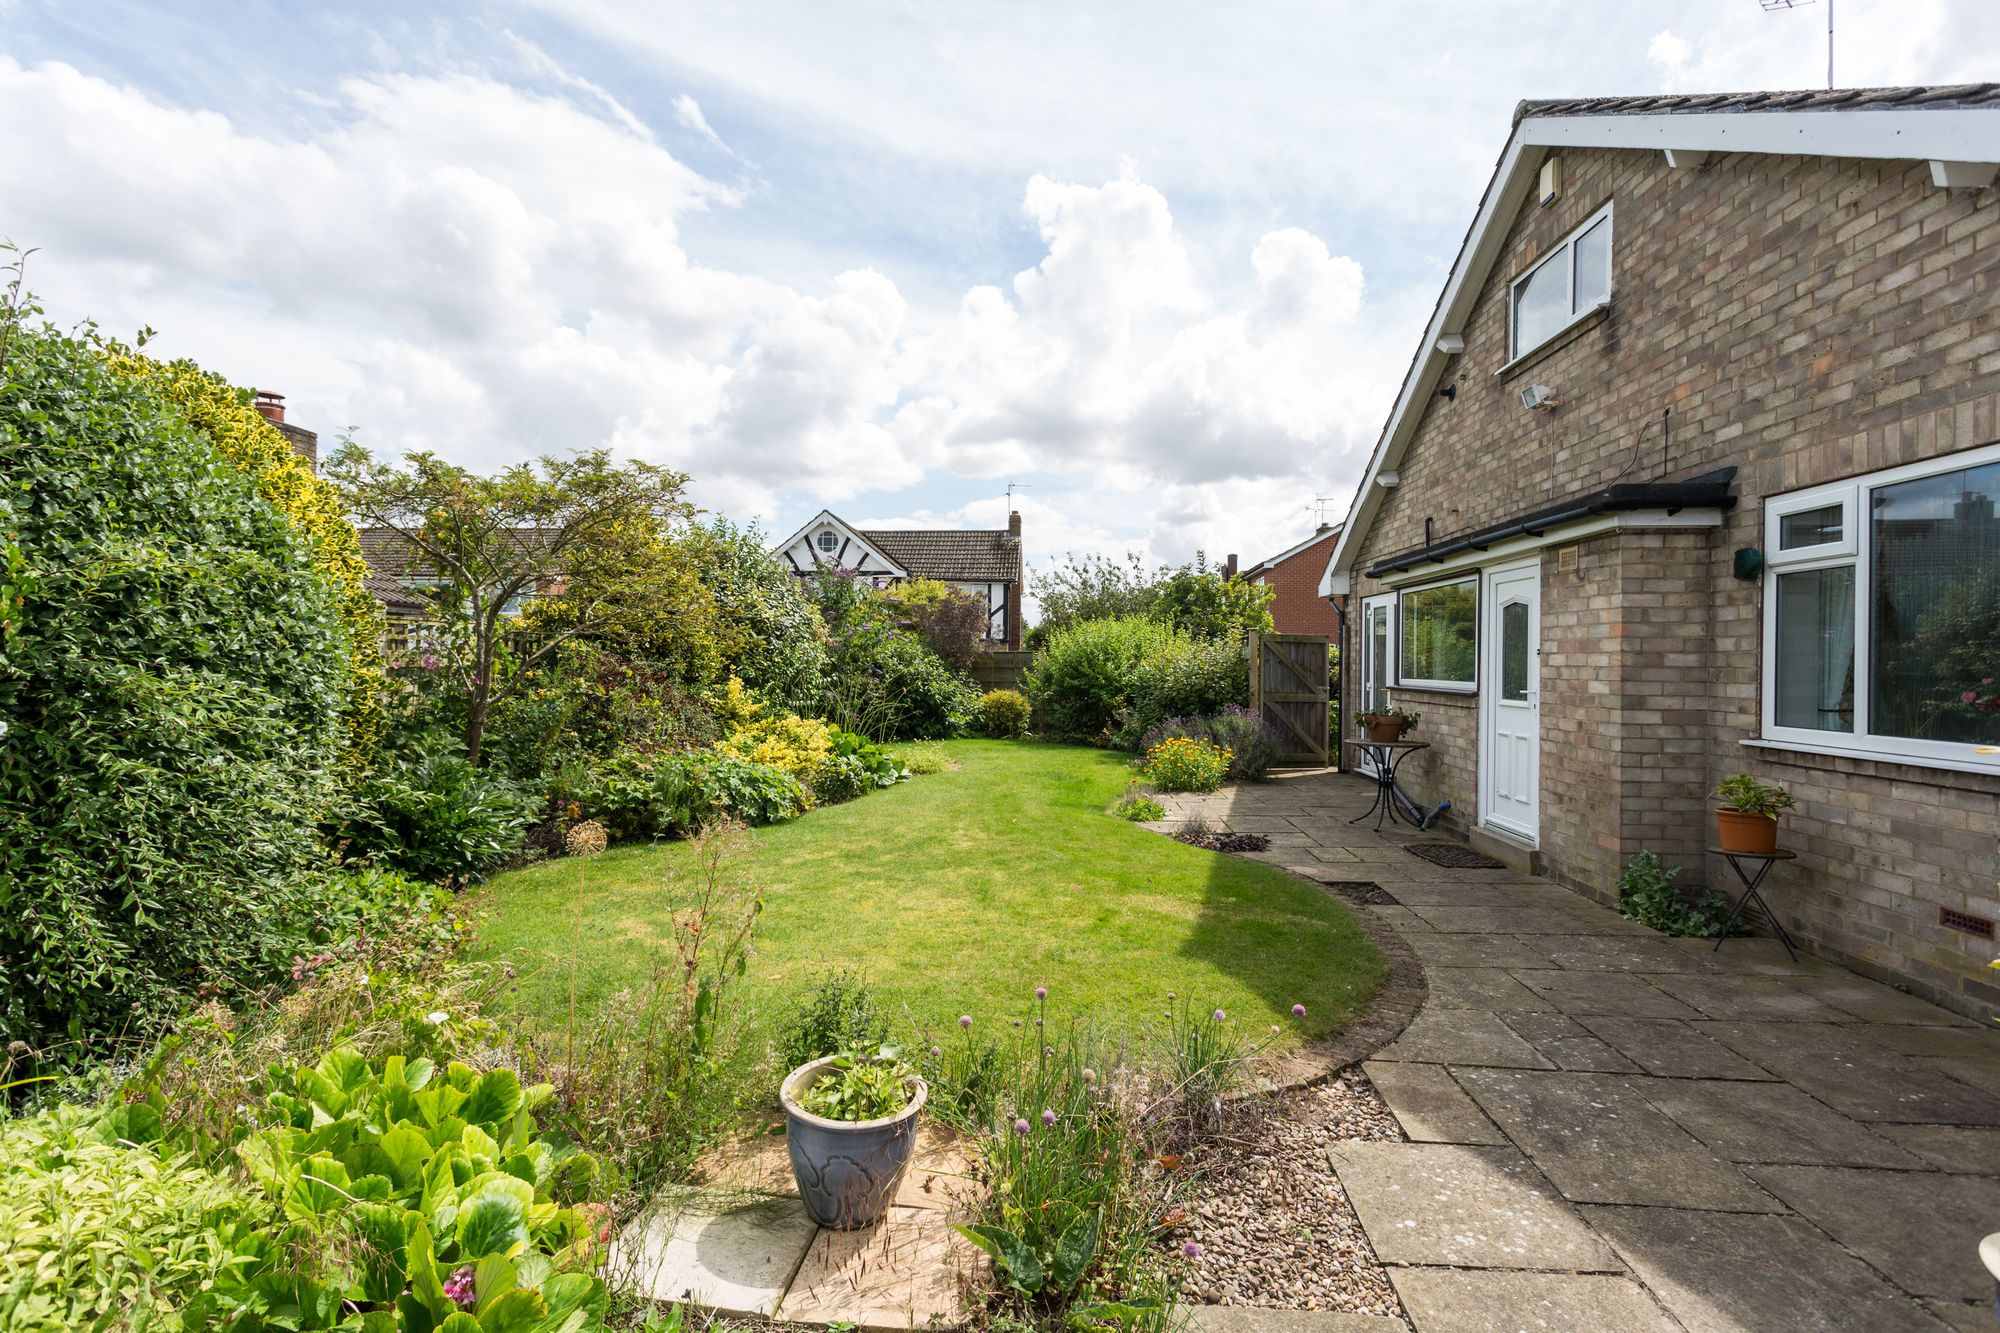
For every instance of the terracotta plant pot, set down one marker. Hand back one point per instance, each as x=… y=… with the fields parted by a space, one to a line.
x=847 y=1170
x=1384 y=729
x=1752 y=835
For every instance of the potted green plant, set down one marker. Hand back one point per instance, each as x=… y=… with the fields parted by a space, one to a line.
x=1388 y=724
x=851 y=1124
x=1747 y=819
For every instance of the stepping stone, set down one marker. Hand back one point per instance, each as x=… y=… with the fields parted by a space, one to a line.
x=1489 y=988
x=1255 y=1319
x=1856 y=1076
x=1966 y=1150
x=1922 y=1229
x=1619 y=993
x=1451 y=1301
x=1873 y=1002
x=1601 y=1142
x=1749 y=1271
x=1737 y=997
x=1771 y=1123
x=904 y=1272
x=1436 y=949
x=1463 y=1037
x=1565 y=1041
x=1435 y=1203
x=1622 y=953
x=737 y=1258
x=1669 y=1048
x=1430 y=1105
x=940 y=1174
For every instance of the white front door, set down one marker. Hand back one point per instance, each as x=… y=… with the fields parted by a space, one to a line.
x=1510 y=700
x=1378 y=657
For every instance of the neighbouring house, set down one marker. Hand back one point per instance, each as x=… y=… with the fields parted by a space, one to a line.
x=1695 y=472
x=403 y=581
x=305 y=443
x=1293 y=577
x=985 y=563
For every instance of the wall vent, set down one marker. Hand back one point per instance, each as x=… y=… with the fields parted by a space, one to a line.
x=1967 y=922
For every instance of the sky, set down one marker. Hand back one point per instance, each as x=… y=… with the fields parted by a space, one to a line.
x=1160 y=266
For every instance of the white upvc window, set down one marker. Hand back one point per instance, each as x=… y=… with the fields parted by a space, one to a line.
x=1882 y=613
x=1438 y=636
x=1564 y=285
x=828 y=540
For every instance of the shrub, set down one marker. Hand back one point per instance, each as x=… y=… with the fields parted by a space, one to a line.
x=1183 y=764
x=925 y=758
x=1185 y=677
x=1139 y=808
x=438 y=816
x=951 y=622
x=1204 y=604
x=1005 y=714
x=1252 y=743
x=798 y=745
x=588 y=703
x=673 y=796
x=1082 y=680
x=925 y=699
x=172 y=685
x=837 y=1014
x=771 y=636
x=1646 y=894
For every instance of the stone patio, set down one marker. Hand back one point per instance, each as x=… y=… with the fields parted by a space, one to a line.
x=1610 y=1129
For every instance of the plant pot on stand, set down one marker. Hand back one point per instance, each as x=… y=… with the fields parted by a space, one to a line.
x=847 y=1170
x=1746 y=823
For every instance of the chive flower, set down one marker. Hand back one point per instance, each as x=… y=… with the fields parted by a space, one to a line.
x=1020 y=1126
x=1048 y=1117
x=1298 y=1011
x=965 y=1020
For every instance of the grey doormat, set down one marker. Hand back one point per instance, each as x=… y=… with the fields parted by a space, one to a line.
x=1453 y=856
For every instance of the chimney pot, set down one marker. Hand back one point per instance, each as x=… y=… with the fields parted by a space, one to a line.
x=1014 y=522
x=272 y=405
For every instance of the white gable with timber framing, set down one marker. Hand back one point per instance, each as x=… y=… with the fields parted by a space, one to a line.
x=828 y=543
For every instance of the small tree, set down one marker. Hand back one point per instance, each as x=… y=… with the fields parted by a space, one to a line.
x=1205 y=604
x=1094 y=587
x=494 y=539
x=950 y=621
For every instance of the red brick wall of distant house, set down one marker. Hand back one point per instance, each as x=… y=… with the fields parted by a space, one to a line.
x=1297 y=607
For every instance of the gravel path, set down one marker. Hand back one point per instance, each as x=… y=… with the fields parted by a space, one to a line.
x=1274 y=1226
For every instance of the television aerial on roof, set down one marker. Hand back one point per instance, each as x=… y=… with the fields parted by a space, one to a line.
x=1774 y=6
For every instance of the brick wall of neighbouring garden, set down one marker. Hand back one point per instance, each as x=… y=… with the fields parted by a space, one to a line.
x=1805 y=320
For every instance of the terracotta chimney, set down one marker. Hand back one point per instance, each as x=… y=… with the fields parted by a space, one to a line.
x=1229 y=566
x=1013 y=522
x=272 y=405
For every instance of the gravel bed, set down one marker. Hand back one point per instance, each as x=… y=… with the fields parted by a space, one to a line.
x=1274 y=1226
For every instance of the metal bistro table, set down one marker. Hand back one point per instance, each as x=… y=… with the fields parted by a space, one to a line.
x=1751 y=880
x=1388 y=755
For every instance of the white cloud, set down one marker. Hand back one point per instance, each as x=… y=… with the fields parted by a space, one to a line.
x=1669 y=52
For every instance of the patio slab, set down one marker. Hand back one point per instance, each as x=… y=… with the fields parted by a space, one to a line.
x=1746 y=997
x=1771 y=1123
x=1579 y=994
x=1967 y=1150
x=1856 y=1076
x=1463 y=1037
x=1435 y=949
x=1255 y=1319
x=731 y=1255
x=1430 y=1106
x=1489 y=988
x=1669 y=1048
x=1620 y=953
x=905 y=1272
x=1469 y=1207
x=1445 y=1301
x=1568 y=1044
x=1921 y=1229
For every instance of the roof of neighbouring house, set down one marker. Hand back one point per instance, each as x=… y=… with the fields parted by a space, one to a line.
x=1325 y=533
x=991 y=556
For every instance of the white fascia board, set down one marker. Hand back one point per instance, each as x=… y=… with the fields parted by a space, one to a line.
x=1908 y=133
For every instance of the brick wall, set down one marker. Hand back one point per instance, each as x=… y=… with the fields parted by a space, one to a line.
x=1801 y=319
x=1296 y=606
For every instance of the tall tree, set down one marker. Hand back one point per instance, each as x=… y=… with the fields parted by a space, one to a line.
x=492 y=540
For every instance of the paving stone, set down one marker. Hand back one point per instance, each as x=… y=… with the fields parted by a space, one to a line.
x=1622 y=953
x=1963 y=1316
x=1771 y=1122
x=1435 y=949
x=1876 y=1003
x=1980 y=1076
x=1747 y=997
x=1582 y=993
x=1402 y=918
x=1970 y=1046
x=1966 y=1150
x=1452 y=1301
x=1856 y=1076
x=1731 y=1271
x=1759 y=956
x=1669 y=1048
x=940 y=1173
x=1433 y=892
x=1256 y=1319
x=1601 y=1142
x=735 y=1257
x=1489 y=988
x=1527 y=920
x=1332 y=854
x=1565 y=1042
x=1429 y=1104
x=904 y=1272
x=1463 y=1037
x=1922 y=1229
x=1435 y=1203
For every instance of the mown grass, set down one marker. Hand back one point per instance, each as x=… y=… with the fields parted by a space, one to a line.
x=958 y=893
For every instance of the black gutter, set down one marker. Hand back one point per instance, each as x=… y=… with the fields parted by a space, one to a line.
x=1710 y=490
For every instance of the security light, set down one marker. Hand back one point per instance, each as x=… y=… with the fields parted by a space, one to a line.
x=1538 y=396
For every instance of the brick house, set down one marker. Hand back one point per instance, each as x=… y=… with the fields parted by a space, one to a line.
x=984 y=563
x=1695 y=472
x=1293 y=577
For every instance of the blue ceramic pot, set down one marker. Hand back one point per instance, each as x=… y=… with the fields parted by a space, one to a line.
x=847 y=1170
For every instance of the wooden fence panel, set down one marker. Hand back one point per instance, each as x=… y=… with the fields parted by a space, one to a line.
x=1289 y=678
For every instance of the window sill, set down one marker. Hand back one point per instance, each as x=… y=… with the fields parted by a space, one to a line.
x=1454 y=692
x=1562 y=337
x=1988 y=769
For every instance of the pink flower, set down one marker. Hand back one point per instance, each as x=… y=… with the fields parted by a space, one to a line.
x=459 y=1290
x=1968 y=696
x=965 y=1020
x=1041 y=992
x=1048 y=1117
x=1191 y=1250
x=1020 y=1126
x=1219 y=1015
x=428 y=662
x=1298 y=1011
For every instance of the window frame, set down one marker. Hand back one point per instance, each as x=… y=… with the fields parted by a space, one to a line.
x=826 y=541
x=1566 y=246
x=1854 y=550
x=1404 y=681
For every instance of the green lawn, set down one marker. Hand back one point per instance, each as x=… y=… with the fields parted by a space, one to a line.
x=959 y=893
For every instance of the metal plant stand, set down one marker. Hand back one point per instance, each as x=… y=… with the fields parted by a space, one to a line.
x=1388 y=756
x=1752 y=879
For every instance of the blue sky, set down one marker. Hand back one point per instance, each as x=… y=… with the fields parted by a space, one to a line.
x=1161 y=264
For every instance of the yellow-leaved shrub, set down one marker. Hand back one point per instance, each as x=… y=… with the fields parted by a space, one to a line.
x=799 y=745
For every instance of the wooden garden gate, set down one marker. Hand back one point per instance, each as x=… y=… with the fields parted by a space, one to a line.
x=1289 y=689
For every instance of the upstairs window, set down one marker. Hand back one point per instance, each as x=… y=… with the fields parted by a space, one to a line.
x=1565 y=285
x=1882 y=612
x=827 y=541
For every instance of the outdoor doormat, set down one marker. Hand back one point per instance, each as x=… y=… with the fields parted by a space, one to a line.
x=1453 y=856
x=1359 y=893
x=1225 y=842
